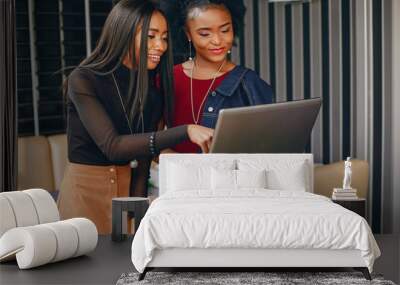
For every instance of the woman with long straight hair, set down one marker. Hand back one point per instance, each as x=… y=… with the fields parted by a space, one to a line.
x=113 y=110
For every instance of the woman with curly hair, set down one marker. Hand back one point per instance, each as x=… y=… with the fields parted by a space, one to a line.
x=209 y=81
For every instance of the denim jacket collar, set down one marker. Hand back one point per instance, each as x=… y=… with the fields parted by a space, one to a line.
x=231 y=81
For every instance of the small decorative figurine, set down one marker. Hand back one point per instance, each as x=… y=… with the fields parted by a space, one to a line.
x=347 y=174
x=347 y=192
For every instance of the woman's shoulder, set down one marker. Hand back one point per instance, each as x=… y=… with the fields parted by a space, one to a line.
x=186 y=64
x=178 y=68
x=260 y=90
x=250 y=73
x=252 y=76
x=181 y=72
x=81 y=80
x=242 y=73
x=80 y=74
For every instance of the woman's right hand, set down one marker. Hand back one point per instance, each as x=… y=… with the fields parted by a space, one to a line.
x=202 y=136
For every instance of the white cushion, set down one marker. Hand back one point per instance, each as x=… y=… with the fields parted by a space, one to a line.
x=256 y=161
x=87 y=233
x=226 y=179
x=251 y=178
x=282 y=174
x=181 y=177
x=26 y=208
x=66 y=237
x=7 y=218
x=23 y=208
x=223 y=179
x=45 y=205
x=189 y=176
x=290 y=179
x=40 y=244
x=33 y=246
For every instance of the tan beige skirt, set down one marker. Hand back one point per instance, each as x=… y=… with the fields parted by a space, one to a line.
x=87 y=190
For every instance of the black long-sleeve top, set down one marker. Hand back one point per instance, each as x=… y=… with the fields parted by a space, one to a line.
x=98 y=132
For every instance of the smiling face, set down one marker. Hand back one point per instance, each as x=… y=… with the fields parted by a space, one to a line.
x=211 y=32
x=157 y=41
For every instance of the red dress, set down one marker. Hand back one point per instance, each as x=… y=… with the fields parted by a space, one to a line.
x=183 y=108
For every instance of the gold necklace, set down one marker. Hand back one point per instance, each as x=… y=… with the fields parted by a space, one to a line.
x=196 y=119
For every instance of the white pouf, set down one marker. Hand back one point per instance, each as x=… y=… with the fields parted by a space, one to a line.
x=31 y=232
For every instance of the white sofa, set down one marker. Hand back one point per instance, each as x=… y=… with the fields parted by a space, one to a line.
x=31 y=231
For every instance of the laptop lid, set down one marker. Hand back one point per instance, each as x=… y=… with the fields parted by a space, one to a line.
x=270 y=128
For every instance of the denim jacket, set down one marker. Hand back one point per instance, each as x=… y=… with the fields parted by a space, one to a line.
x=241 y=87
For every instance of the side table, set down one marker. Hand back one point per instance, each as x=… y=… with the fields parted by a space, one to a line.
x=134 y=205
x=358 y=206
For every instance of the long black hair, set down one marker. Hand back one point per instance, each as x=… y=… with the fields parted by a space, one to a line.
x=118 y=38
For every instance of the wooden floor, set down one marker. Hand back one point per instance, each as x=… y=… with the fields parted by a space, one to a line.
x=110 y=260
x=389 y=262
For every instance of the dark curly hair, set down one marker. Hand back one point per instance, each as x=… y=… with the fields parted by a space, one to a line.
x=235 y=7
x=178 y=11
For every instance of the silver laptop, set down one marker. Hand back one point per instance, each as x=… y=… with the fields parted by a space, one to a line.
x=271 y=128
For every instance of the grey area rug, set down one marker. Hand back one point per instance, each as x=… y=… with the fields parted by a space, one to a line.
x=233 y=278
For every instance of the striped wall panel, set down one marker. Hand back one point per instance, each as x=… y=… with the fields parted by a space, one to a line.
x=395 y=124
x=388 y=122
x=316 y=75
x=331 y=49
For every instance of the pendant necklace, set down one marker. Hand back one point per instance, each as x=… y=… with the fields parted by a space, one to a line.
x=197 y=118
x=133 y=163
